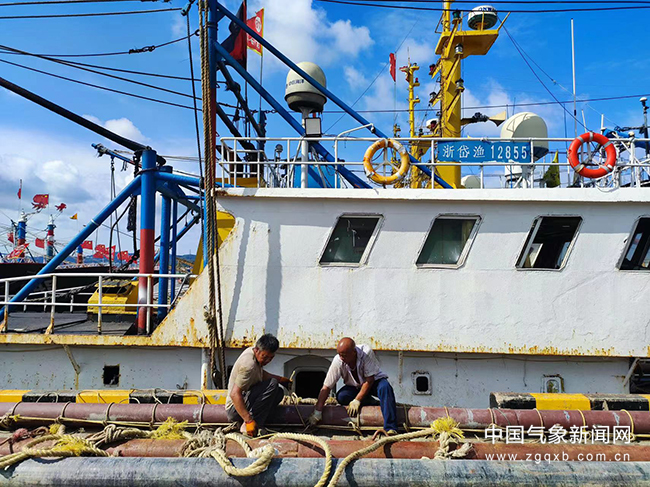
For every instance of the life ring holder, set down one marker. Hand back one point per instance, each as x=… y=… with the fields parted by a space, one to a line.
x=371 y=171
x=579 y=165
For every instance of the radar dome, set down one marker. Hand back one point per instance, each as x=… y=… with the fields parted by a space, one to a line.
x=527 y=125
x=483 y=17
x=302 y=96
x=471 y=181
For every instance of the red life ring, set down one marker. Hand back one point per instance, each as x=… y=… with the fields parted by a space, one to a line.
x=603 y=169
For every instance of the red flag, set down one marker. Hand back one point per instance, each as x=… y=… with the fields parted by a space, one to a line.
x=393 y=64
x=101 y=248
x=20 y=190
x=18 y=252
x=124 y=255
x=99 y=255
x=10 y=237
x=235 y=44
x=87 y=244
x=41 y=199
x=40 y=243
x=61 y=207
x=257 y=24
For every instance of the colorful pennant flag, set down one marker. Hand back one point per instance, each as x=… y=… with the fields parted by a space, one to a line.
x=257 y=24
x=75 y=216
x=18 y=252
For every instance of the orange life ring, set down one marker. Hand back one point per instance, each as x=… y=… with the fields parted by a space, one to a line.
x=398 y=175
x=603 y=169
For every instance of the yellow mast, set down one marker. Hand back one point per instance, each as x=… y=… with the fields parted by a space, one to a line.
x=453 y=46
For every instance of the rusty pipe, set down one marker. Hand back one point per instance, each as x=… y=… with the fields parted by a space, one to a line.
x=36 y=414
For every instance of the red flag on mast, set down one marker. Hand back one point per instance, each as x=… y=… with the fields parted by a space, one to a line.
x=87 y=244
x=235 y=44
x=20 y=190
x=40 y=243
x=393 y=66
x=257 y=24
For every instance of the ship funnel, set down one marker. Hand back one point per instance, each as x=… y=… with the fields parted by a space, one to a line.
x=302 y=96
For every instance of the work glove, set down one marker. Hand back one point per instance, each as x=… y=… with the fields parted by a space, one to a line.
x=315 y=417
x=251 y=427
x=353 y=408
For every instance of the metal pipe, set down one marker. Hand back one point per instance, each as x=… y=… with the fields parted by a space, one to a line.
x=131 y=188
x=147 y=232
x=172 y=289
x=118 y=139
x=370 y=416
x=163 y=283
x=298 y=472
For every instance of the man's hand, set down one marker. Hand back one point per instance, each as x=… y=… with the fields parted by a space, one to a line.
x=315 y=417
x=353 y=408
x=251 y=427
x=287 y=383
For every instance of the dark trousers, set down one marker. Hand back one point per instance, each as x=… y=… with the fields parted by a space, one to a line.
x=260 y=400
x=381 y=389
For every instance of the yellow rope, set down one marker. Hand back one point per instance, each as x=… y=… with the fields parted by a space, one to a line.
x=64 y=446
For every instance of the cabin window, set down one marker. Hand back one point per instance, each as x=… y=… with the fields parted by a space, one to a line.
x=448 y=241
x=637 y=252
x=111 y=375
x=549 y=242
x=351 y=240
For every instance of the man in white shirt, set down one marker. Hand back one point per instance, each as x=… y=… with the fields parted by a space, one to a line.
x=359 y=369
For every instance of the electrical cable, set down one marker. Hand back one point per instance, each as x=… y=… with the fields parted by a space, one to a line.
x=87 y=14
x=119 y=53
x=98 y=86
x=63 y=2
x=71 y=65
x=531 y=2
x=540 y=79
x=434 y=9
x=529 y=104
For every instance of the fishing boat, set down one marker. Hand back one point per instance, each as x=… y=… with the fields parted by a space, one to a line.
x=483 y=272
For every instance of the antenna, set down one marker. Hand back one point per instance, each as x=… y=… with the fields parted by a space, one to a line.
x=573 y=63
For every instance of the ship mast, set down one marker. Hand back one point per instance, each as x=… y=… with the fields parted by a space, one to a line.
x=454 y=45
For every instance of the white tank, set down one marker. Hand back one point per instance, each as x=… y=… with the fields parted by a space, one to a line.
x=301 y=95
x=483 y=17
x=525 y=125
x=471 y=181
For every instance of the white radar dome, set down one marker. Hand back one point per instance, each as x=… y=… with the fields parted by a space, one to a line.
x=471 y=181
x=483 y=17
x=527 y=125
x=301 y=95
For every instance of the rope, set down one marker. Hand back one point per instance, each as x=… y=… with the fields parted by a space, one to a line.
x=64 y=446
x=445 y=429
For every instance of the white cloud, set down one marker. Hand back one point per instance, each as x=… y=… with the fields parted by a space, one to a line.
x=354 y=78
x=304 y=33
x=121 y=126
x=349 y=39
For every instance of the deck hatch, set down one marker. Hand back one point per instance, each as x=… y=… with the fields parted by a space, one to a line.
x=351 y=240
x=637 y=251
x=548 y=242
x=448 y=241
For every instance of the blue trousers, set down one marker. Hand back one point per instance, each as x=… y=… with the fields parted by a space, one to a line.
x=381 y=389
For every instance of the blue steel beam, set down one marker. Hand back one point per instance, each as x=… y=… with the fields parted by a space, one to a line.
x=172 y=257
x=343 y=171
x=147 y=231
x=163 y=283
x=132 y=188
x=354 y=114
x=169 y=191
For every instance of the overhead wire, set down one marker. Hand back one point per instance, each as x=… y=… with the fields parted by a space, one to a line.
x=540 y=79
x=119 y=53
x=437 y=9
x=64 y=2
x=87 y=14
x=99 y=87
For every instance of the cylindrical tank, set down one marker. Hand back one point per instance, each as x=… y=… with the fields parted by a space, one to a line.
x=302 y=96
x=483 y=17
x=527 y=125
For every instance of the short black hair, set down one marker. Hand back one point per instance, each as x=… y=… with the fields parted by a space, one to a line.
x=268 y=343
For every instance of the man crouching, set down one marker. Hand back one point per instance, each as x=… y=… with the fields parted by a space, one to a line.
x=359 y=369
x=253 y=392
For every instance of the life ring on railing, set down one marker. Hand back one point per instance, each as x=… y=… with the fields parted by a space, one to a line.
x=580 y=166
x=371 y=170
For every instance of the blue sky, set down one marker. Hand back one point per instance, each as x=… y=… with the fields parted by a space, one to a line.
x=352 y=45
